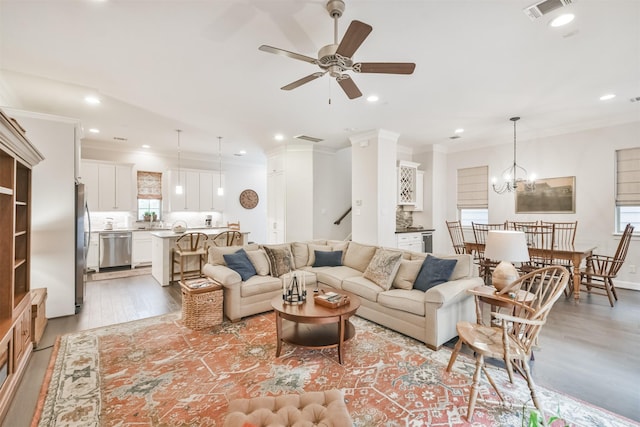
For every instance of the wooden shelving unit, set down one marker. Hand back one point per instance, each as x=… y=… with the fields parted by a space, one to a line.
x=17 y=157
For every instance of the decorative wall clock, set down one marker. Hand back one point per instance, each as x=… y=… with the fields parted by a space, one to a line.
x=249 y=199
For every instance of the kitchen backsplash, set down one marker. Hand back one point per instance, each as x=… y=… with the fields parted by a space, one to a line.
x=404 y=218
x=125 y=220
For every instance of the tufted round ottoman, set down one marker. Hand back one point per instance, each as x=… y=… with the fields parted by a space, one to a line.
x=315 y=408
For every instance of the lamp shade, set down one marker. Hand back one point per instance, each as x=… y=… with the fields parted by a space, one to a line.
x=506 y=245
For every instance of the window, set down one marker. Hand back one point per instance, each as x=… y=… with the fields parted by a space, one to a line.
x=149 y=195
x=627 y=188
x=473 y=195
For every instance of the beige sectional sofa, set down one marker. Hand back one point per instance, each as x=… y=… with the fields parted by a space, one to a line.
x=387 y=297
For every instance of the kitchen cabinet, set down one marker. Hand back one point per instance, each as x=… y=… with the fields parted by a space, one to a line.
x=89 y=177
x=407 y=176
x=419 y=206
x=140 y=248
x=189 y=200
x=409 y=241
x=209 y=198
x=115 y=187
x=93 y=252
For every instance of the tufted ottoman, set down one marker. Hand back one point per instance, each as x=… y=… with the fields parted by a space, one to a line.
x=315 y=408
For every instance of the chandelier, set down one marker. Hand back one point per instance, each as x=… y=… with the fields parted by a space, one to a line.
x=510 y=175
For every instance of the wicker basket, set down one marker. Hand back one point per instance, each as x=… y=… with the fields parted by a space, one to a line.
x=201 y=305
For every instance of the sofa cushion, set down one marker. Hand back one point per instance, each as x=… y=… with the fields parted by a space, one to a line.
x=333 y=276
x=260 y=261
x=358 y=256
x=362 y=287
x=216 y=254
x=464 y=266
x=328 y=259
x=383 y=267
x=433 y=272
x=260 y=285
x=279 y=260
x=408 y=300
x=300 y=252
x=312 y=252
x=239 y=262
x=407 y=273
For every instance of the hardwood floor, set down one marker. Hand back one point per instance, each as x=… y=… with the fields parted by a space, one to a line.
x=587 y=350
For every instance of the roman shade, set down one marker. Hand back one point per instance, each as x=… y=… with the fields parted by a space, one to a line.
x=149 y=185
x=628 y=177
x=473 y=188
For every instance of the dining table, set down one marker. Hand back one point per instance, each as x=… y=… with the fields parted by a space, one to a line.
x=574 y=254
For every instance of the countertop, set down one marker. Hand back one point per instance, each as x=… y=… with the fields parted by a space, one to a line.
x=164 y=234
x=159 y=229
x=414 y=230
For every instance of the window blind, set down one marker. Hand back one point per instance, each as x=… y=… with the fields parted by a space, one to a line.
x=628 y=177
x=473 y=188
x=149 y=185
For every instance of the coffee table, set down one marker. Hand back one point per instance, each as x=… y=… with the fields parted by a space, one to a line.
x=314 y=326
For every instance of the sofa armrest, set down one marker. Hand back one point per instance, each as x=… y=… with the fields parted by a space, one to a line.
x=222 y=274
x=452 y=291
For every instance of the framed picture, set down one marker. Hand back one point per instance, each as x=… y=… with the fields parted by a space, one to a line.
x=551 y=195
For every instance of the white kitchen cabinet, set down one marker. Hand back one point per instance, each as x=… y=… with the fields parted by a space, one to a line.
x=140 y=248
x=189 y=200
x=209 y=198
x=419 y=206
x=115 y=187
x=89 y=177
x=409 y=241
x=407 y=175
x=93 y=254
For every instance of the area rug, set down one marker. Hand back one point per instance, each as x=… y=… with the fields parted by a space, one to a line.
x=157 y=372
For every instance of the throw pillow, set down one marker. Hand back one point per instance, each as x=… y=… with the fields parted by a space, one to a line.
x=407 y=273
x=434 y=271
x=239 y=262
x=300 y=252
x=312 y=252
x=383 y=267
x=279 y=261
x=260 y=261
x=358 y=256
x=327 y=259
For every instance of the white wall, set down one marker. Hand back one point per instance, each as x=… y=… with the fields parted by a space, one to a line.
x=331 y=194
x=299 y=194
x=588 y=155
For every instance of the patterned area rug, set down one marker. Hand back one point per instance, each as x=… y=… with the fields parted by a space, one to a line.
x=156 y=372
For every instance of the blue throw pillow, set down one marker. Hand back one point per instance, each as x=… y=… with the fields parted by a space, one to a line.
x=327 y=259
x=433 y=272
x=239 y=262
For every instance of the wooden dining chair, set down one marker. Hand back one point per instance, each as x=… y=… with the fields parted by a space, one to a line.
x=480 y=233
x=513 y=339
x=227 y=238
x=517 y=225
x=564 y=236
x=187 y=246
x=540 y=237
x=457 y=236
x=600 y=270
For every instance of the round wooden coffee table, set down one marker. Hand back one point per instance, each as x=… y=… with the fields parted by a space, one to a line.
x=314 y=326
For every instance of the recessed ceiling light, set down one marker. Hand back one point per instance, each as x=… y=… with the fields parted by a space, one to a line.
x=372 y=98
x=561 y=20
x=94 y=130
x=279 y=137
x=243 y=152
x=146 y=146
x=91 y=99
x=607 y=97
x=459 y=130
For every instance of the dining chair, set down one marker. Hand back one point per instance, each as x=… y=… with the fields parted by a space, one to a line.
x=517 y=225
x=513 y=339
x=227 y=238
x=457 y=236
x=538 y=237
x=189 y=245
x=564 y=235
x=600 y=270
x=480 y=232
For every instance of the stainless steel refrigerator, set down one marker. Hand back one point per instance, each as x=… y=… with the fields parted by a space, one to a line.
x=83 y=237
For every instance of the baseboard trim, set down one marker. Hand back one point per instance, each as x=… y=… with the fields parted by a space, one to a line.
x=627 y=285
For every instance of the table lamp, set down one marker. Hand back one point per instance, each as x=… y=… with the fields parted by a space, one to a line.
x=506 y=247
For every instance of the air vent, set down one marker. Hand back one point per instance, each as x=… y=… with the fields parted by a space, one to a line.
x=636 y=99
x=538 y=10
x=308 y=138
x=454 y=137
x=119 y=138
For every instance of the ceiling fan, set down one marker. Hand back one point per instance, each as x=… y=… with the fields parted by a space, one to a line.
x=336 y=58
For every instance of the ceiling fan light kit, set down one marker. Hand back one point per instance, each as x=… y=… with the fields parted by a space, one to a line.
x=336 y=59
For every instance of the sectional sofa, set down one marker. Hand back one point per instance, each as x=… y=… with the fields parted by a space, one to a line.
x=385 y=279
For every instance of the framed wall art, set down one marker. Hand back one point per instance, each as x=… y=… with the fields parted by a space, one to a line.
x=551 y=195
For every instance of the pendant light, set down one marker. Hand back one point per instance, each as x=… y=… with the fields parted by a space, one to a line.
x=220 y=188
x=510 y=175
x=179 y=186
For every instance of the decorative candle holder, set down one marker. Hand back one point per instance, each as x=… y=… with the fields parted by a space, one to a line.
x=294 y=291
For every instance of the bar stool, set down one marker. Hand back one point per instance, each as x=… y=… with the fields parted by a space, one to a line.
x=189 y=245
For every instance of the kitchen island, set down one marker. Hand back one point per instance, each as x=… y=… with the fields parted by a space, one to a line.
x=162 y=243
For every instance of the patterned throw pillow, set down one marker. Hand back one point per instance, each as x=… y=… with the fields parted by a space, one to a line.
x=383 y=267
x=279 y=261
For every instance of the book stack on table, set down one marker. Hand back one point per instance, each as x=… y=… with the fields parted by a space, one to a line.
x=331 y=299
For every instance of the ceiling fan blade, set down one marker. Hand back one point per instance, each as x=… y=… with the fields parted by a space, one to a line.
x=348 y=86
x=302 y=81
x=384 y=67
x=278 y=51
x=353 y=38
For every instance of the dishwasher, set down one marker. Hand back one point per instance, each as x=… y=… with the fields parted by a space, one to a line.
x=115 y=249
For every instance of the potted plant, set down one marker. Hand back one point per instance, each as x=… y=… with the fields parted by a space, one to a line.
x=147 y=216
